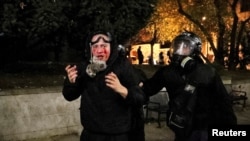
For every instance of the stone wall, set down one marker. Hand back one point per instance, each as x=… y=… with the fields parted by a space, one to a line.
x=37 y=113
x=43 y=112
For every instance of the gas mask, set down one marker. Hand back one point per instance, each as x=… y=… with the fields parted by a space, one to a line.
x=185 y=62
x=182 y=52
x=95 y=66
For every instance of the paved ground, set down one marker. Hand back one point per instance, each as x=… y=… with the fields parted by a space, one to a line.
x=153 y=133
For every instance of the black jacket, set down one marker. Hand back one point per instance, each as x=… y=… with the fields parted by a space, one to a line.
x=213 y=105
x=102 y=110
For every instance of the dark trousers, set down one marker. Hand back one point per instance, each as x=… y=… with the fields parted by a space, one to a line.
x=196 y=135
x=90 y=136
x=138 y=135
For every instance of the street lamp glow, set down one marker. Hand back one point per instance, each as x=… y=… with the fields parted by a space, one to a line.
x=203 y=18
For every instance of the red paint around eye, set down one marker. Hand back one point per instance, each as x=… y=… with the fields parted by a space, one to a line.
x=101 y=50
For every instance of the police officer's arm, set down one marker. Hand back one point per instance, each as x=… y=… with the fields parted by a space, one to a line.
x=154 y=84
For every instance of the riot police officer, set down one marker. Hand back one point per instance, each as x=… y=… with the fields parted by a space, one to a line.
x=197 y=96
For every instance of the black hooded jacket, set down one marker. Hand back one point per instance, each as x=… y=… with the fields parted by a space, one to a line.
x=102 y=110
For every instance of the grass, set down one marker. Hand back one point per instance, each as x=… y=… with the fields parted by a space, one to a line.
x=30 y=75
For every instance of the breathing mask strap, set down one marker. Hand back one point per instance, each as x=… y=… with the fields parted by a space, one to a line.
x=185 y=60
x=91 y=55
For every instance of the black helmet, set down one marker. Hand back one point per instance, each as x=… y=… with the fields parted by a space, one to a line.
x=186 y=44
x=185 y=50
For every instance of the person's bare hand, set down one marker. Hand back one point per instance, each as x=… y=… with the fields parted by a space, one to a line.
x=72 y=73
x=113 y=82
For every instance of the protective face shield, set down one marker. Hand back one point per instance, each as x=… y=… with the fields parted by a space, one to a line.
x=186 y=44
x=184 y=47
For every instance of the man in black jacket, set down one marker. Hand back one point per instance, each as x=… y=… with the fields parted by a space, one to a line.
x=108 y=88
x=197 y=97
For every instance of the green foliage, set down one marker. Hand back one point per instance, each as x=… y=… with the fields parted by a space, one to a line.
x=42 y=23
x=167 y=21
x=126 y=17
x=212 y=20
